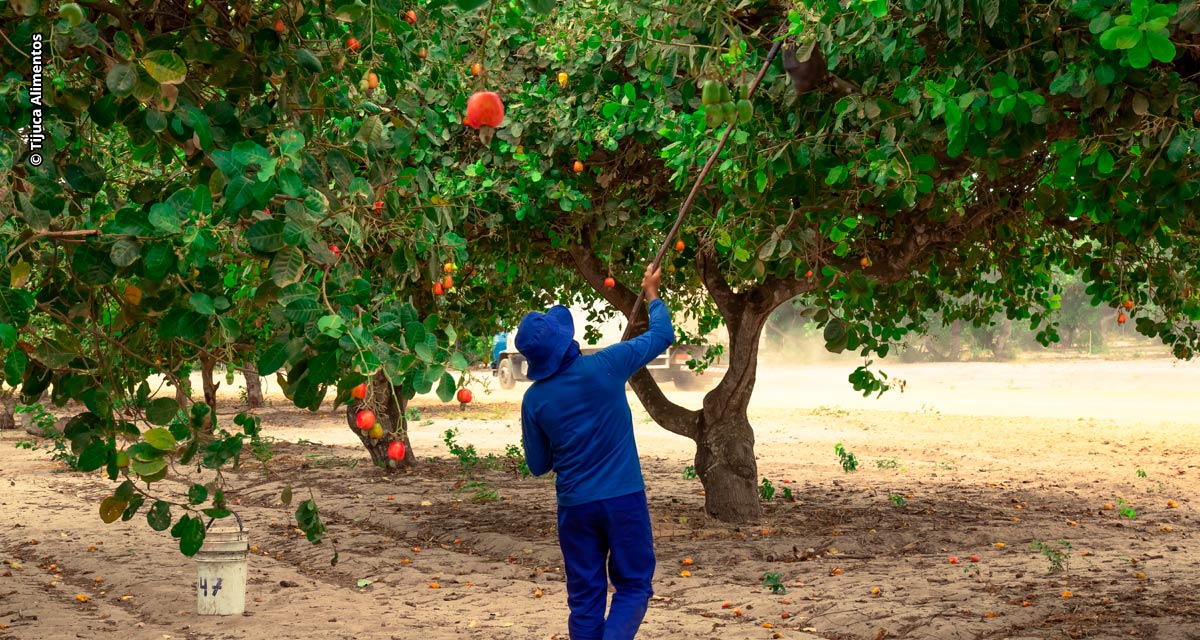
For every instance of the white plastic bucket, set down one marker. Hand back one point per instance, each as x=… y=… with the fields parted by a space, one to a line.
x=221 y=570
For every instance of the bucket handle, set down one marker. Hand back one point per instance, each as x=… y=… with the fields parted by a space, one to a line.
x=241 y=527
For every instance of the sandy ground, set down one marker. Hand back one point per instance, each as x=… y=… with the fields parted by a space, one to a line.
x=972 y=459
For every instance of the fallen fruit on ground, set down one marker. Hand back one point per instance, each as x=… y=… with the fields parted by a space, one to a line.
x=999 y=544
x=1171 y=504
x=974 y=558
x=687 y=562
x=953 y=560
x=434 y=585
x=82 y=597
x=685 y=574
x=836 y=571
x=726 y=604
x=1026 y=603
x=365 y=419
x=875 y=591
x=1108 y=506
x=1067 y=594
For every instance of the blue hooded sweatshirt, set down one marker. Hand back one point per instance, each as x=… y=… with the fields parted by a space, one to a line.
x=577 y=422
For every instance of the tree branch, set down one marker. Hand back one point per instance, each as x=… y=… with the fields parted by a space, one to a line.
x=710 y=274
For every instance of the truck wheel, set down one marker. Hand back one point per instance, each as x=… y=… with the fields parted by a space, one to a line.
x=506 y=374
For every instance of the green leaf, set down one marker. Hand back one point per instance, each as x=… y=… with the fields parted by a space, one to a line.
x=1179 y=147
x=92 y=266
x=15 y=306
x=991 y=11
x=250 y=154
x=159 y=516
x=470 y=5
x=309 y=61
x=1121 y=38
x=1161 y=47
x=446 y=388
x=15 y=365
x=266 y=236
x=123 y=45
x=202 y=303
x=146 y=468
x=423 y=351
x=158 y=437
x=165 y=218
x=190 y=532
x=183 y=323
x=124 y=252
x=458 y=362
x=162 y=411
x=543 y=7
x=197 y=494
x=121 y=79
x=273 y=359
x=135 y=503
x=85 y=176
x=1139 y=56
x=286 y=266
x=8 y=336
x=94 y=456
x=166 y=67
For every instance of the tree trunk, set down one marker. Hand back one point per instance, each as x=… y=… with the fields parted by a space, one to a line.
x=389 y=404
x=6 y=417
x=254 y=393
x=207 y=365
x=725 y=440
x=956 y=331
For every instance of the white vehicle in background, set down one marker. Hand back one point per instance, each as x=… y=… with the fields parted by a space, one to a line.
x=592 y=336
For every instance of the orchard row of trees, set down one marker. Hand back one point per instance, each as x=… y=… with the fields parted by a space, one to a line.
x=287 y=186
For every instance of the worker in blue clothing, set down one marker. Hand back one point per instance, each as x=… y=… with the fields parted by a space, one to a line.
x=575 y=420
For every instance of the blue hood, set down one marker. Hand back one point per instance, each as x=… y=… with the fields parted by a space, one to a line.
x=544 y=338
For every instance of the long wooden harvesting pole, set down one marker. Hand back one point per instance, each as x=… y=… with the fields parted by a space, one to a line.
x=687 y=204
